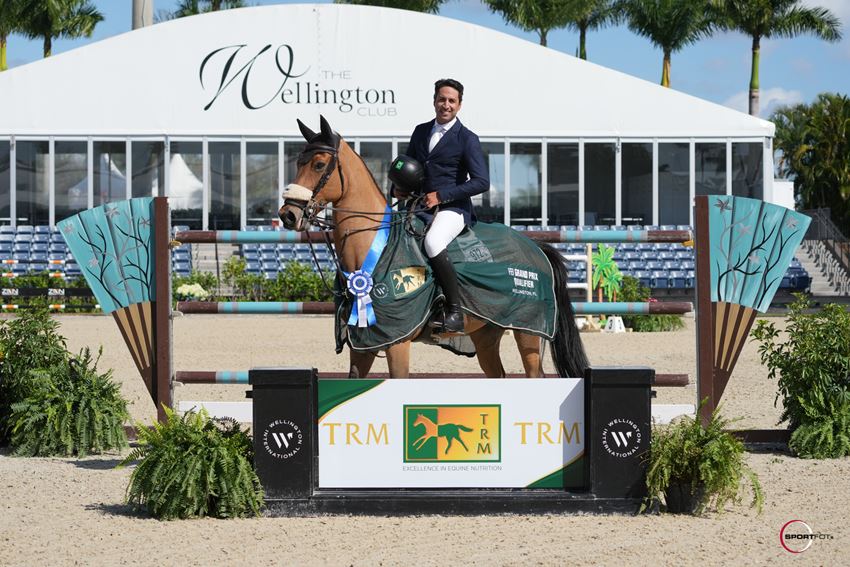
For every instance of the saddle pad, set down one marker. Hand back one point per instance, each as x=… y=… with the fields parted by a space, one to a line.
x=504 y=278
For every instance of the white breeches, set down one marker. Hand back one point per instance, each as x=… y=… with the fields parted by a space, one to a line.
x=444 y=228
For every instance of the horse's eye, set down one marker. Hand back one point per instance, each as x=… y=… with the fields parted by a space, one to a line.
x=319 y=166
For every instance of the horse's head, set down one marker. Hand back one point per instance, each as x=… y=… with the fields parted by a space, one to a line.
x=319 y=179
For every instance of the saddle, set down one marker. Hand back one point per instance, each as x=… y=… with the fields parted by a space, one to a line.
x=504 y=278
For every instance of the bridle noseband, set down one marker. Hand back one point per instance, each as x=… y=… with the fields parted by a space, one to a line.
x=311 y=208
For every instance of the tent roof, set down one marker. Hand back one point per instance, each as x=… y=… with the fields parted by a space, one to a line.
x=253 y=71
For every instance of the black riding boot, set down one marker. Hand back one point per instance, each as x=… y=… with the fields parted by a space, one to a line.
x=446 y=276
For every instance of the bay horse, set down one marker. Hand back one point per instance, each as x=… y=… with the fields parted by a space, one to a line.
x=330 y=172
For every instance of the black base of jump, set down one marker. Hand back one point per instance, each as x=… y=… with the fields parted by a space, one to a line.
x=614 y=482
x=460 y=502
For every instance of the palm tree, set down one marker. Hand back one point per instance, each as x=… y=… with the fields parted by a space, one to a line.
x=539 y=16
x=10 y=22
x=49 y=19
x=428 y=6
x=774 y=18
x=669 y=24
x=587 y=15
x=194 y=7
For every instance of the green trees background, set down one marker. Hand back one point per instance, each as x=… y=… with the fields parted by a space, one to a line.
x=814 y=145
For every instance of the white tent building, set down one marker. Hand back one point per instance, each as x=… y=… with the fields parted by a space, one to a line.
x=568 y=142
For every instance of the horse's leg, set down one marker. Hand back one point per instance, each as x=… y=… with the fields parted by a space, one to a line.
x=529 y=351
x=398 y=360
x=486 y=341
x=360 y=363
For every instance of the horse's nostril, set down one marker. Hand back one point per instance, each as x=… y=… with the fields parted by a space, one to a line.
x=289 y=219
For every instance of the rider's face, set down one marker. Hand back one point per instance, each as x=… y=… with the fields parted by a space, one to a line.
x=446 y=104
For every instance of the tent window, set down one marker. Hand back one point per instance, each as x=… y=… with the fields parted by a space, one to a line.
x=747 y=170
x=562 y=186
x=490 y=206
x=710 y=168
x=32 y=183
x=71 y=178
x=185 y=184
x=110 y=172
x=377 y=156
x=148 y=172
x=673 y=183
x=599 y=184
x=225 y=164
x=261 y=183
x=5 y=178
x=637 y=184
x=526 y=181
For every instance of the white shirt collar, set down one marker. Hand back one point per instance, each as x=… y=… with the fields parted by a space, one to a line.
x=445 y=127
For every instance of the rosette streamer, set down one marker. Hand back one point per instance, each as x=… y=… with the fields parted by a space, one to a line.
x=114 y=245
x=359 y=282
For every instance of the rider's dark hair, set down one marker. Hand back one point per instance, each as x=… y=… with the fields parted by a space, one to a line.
x=449 y=83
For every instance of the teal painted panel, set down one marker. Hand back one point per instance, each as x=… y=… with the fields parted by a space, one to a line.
x=114 y=246
x=751 y=246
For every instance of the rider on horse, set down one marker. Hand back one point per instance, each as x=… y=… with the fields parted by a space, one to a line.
x=454 y=171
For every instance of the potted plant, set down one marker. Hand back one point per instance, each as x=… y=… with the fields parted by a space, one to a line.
x=692 y=467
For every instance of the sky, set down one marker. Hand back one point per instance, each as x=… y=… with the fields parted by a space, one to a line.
x=716 y=69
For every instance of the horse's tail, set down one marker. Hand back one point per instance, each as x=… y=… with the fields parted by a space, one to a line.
x=463 y=427
x=567 y=348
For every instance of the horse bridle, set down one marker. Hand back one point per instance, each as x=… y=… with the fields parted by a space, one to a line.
x=311 y=207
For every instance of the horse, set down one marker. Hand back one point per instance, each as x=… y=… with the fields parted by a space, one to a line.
x=331 y=172
x=450 y=431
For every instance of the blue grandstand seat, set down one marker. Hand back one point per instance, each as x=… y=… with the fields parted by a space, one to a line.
x=667 y=227
x=568 y=227
x=38 y=256
x=643 y=276
x=268 y=247
x=269 y=266
x=660 y=280
x=58 y=247
x=672 y=265
x=39 y=247
x=7 y=229
x=688 y=265
x=683 y=227
x=250 y=248
x=40 y=237
x=25 y=229
x=678 y=279
x=651 y=227
x=654 y=265
x=23 y=237
x=21 y=256
x=5 y=247
x=268 y=255
x=601 y=227
x=684 y=255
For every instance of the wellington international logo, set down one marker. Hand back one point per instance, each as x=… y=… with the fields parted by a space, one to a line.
x=452 y=433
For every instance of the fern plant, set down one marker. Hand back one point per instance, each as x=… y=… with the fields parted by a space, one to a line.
x=74 y=411
x=812 y=369
x=192 y=466
x=708 y=460
x=27 y=342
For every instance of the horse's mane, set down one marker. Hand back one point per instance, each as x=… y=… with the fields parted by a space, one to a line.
x=369 y=171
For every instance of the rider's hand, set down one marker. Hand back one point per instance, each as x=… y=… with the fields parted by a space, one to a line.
x=431 y=200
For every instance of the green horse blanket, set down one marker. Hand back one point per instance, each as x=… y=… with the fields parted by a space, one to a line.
x=504 y=278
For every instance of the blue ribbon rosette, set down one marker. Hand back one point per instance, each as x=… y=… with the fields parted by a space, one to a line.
x=359 y=282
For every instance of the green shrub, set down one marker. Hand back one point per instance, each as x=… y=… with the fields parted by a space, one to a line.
x=74 y=410
x=709 y=459
x=194 y=467
x=632 y=290
x=812 y=369
x=297 y=282
x=27 y=342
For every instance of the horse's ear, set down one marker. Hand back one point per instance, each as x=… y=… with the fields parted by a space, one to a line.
x=328 y=132
x=306 y=132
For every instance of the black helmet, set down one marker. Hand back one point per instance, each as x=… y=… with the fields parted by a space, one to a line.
x=407 y=174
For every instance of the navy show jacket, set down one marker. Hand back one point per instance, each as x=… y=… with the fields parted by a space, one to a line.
x=455 y=169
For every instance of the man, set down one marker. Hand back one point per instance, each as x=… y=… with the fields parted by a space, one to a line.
x=455 y=170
